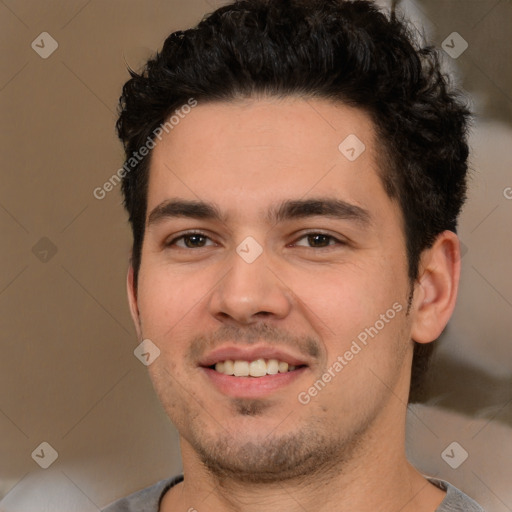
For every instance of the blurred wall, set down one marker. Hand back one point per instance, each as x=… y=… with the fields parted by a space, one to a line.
x=68 y=376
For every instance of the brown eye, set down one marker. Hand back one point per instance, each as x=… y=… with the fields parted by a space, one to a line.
x=190 y=241
x=317 y=240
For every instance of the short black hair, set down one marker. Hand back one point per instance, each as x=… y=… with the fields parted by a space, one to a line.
x=345 y=51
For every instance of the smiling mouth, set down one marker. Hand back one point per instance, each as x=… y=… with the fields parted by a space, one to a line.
x=257 y=368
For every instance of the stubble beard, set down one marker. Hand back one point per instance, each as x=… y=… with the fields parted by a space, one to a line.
x=310 y=451
x=317 y=448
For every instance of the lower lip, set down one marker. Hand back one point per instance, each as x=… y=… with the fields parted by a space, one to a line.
x=251 y=387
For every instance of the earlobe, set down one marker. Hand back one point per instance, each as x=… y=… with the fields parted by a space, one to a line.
x=132 y=300
x=436 y=289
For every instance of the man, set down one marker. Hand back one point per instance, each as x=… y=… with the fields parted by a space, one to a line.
x=294 y=173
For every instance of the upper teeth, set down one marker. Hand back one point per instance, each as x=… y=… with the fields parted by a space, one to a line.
x=257 y=368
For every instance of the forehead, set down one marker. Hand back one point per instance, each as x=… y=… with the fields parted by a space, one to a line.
x=245 y=154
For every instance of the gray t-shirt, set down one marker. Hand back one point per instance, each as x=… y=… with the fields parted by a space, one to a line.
x=148 y=500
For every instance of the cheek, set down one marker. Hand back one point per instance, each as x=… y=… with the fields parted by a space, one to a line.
x=168 y=299
x=357 y=311
x=340 y=300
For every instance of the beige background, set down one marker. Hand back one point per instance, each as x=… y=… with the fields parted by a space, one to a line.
x=68 y=375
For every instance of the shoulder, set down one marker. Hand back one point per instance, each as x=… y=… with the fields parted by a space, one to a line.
x=146 y=500
x=455 y=500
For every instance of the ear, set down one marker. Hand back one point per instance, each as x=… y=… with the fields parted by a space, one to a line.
x=132 y=301
x=435 y=291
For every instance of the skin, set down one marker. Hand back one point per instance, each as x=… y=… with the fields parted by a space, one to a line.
x=344 y=450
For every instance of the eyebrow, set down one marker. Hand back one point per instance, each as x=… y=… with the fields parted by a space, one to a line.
x=325 y=207
x=287 y=210
x=184 y=208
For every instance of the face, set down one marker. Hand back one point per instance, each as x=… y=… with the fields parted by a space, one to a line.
x=267 y=242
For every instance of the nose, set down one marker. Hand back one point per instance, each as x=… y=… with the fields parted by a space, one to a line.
x=250 y=292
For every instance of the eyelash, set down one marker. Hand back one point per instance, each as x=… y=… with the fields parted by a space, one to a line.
x=304 y=235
